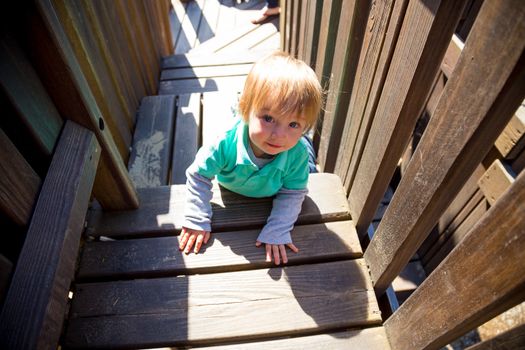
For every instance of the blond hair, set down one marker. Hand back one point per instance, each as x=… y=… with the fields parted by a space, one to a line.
x=283 y=84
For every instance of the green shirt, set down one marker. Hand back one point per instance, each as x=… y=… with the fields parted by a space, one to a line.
x=228 y=159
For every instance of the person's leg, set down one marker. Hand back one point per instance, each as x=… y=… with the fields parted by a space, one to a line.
x=312 y=158
x=271 y=9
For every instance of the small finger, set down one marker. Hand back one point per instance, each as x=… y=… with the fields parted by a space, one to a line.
x=190 y=243
x=258 y=243
x=198 y=243
x=207 y=236
x=293 y=247
x=183 y=239
x=282 y=249
x=276 y=258
x=268 y=253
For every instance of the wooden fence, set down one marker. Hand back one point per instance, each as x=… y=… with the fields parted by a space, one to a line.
x=397 y=75
x=87 y=61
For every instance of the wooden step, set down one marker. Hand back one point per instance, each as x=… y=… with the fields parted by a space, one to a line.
x=150 y=158
x=213 y=308
x=161 y=210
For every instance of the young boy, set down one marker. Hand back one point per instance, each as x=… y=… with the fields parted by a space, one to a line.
x=262 y=155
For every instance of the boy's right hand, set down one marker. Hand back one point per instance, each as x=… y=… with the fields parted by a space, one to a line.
x=189 y=237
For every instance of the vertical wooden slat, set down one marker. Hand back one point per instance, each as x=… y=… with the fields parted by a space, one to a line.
x=283 y=23
x=346 y=55
x=74 y=99
x=36 y=302
x=476 y=104
x=423 y=40
x=482 y=277
x=295 y=30
x=301 y=40
x=19 y=184
x=312 y=28
x=382 y=29
x=288 y=28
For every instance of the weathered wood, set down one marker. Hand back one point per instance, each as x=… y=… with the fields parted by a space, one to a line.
x=209 y=20
x=512 y=140
x=36 y=302
x=187 y=136
x=6 y=270
x=190 y=25
x=226 y=251
x=161 y=210
x=327 y=34
x=451 y=149
x=312 y=28
x=495 y=181
x=149 y=163
x=176 y=87
x=218 y=114
x=422 y=42
x=218 y=59
x=215 y=45
x=452 y=56
x=19 y=184
x=294 y=29
x=73 y=98
x=368 y=338
x=255 y=37
x=26 y=93
x=384 y=21
x=205 y=309
x=513 y=339
x=469 y=287
x=205 y=72
x=346 y=55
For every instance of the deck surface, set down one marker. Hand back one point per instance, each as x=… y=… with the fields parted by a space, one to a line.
x=135 y=289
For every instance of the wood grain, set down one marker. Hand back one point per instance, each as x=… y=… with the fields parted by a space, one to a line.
x=176 y=87
x=206 y=72
x=19 y=184
x=150 y=160
x=35 y=305
x=451 y=149
x=512 y=339
x=512 y=140
x=422 y=42
x=482 y=277
x=207 y=308
x=227 y=251
x=495 y=181
x=161 y=210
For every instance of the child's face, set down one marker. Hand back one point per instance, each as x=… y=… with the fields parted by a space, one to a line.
x=272 y=133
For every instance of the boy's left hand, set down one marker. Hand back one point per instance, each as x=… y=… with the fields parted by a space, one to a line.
x=277 y=251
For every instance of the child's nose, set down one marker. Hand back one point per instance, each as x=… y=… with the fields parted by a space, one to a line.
x=278 y=131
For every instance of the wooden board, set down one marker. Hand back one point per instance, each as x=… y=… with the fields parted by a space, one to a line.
x=176 y=87
x=35 y=305
x=189 y=26
x=482 y=277
x=421 y=45
x=495 y=181
x=187 y=136
x=218 y=114
x=208 y=308
x=452 y=55
x=19 y=184
x=161 y=210
x=206 y=72
x=512 y=140
x=226 y=251
x=219 y=59
x=149 y=163
x=511 y=339
x=450 y=151
x=368 y=338
x=254 y=37
x=219 y=42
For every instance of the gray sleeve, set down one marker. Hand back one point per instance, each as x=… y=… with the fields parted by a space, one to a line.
x=197 y=208
x=285 y=210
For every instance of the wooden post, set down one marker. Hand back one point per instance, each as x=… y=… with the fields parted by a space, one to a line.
x=476 y=104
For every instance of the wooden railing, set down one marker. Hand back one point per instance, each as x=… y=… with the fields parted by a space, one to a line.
x=380 y=62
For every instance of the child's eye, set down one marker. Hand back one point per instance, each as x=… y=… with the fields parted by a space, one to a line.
x=294 y=125
x=267 y=118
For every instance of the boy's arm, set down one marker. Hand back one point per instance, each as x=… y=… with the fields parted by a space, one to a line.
x=197 y=210
x=285 y=210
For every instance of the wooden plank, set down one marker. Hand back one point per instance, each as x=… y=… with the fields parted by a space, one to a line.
x=190 y=25
x=384 y=21
x=175 y=87
x=227 y=251
x=449 y=152
x=206 y=72
x=218 y=59
x=346 y=55
x=161 y=210
x=149 y=163
x=512 y=140
x=495 y=181
x=25 y=91
x=19 y=184
x=6 y=270
x=369 y=338
x=216 y=44
x=452 y=55
x=420 y=47
x=218 y=114
x=303 y=19
x=511 y=339
x=469 y=286
x=206 y=309
x=36 y=302
x=187 y=136
x=294 y=28
x=313 y=26
x=254 y=37
x=73 y=97
x=209 y=20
